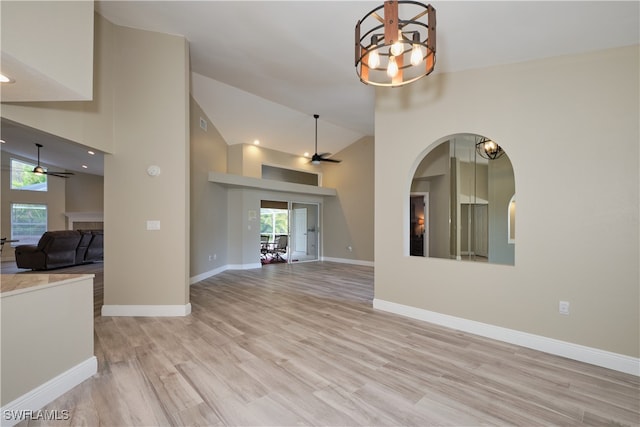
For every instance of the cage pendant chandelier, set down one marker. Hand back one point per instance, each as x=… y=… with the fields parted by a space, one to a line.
x=395 y=43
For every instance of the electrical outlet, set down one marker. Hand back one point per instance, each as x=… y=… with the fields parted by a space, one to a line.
x=215 y=256
x=210 y=257
x=563 y=307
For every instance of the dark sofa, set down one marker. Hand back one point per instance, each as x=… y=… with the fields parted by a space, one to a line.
x=61 y=248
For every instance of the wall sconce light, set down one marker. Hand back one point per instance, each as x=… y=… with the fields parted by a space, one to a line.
x=393 y=50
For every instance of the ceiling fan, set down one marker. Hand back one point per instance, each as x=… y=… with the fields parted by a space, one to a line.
x=39 y=170
x=317 y=158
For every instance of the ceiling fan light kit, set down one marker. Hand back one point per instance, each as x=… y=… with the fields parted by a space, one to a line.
x=39 y=170
x=393 y=49
x=317 y=158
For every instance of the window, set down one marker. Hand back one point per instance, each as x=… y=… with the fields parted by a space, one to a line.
x=28 y=222
x=274 y=222
x=23 y=178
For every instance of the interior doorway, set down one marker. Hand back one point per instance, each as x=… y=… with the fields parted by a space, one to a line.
x=304 y=232
x=289 y=232
x=419 y=224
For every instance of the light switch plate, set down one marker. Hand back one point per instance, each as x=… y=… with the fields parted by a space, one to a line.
x=563 y=307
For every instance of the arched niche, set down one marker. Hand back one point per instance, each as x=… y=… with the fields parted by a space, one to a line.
x=462 y=202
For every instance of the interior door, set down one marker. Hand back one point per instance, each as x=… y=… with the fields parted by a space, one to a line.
x=304 y=232
x=300 y=230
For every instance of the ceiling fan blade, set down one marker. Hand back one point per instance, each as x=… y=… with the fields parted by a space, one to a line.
x=317 y=158
x=41 y=171
x=59 y=174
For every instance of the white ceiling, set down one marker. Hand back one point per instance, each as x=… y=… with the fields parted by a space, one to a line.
x=57 y=154
x=261 y=69
x=299 y=55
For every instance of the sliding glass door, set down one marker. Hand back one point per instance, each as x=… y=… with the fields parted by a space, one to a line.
x=289 y=232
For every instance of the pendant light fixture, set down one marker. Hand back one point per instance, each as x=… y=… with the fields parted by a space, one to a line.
x=488 y=149
x=395 y=43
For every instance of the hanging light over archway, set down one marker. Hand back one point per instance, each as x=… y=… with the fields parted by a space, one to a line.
x=397 y=47
x=488 y=149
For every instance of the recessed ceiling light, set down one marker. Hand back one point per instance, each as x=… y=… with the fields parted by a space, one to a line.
x=5 y=79
x=3 y=141
x=85 y=167
x=91 y=152
x=306 y=154
x=256 y=142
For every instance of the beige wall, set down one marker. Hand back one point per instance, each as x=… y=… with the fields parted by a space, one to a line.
x=151 y=107
x=140 y=116
x=247 y=160
x=84 y=193
x=243 y=249
x=51 y=43
x=348 y=218
x=208 y=200
x=86 y=122
x=570 y=126
x=45 y=332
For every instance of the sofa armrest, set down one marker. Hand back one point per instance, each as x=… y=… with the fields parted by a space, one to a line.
x=29 y=256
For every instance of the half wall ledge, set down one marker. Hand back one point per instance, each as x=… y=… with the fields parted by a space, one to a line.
x=238 y=181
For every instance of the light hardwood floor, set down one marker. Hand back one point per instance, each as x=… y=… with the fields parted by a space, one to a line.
x=301 y=345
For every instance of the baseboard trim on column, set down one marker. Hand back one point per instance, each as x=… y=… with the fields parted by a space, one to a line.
x=146 y=310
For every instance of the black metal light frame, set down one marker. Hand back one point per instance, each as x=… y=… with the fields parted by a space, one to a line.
x=488 y=149
x=375 y=34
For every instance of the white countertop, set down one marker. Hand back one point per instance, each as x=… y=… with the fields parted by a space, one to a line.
x=14 y=284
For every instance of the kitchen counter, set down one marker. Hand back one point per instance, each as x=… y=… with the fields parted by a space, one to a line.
x=47 y=339
x=12 y=284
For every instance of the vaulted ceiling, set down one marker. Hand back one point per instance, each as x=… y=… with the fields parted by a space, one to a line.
x=261 y=69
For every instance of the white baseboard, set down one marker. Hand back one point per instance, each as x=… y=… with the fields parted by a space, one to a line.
x=244 y=266
x=17 y=410
x=349 y=261
x=146 y=310
x=211 y=273
x=594 y=356
x=207 y=274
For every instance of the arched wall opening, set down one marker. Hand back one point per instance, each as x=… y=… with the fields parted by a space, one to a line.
x=462 y=201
